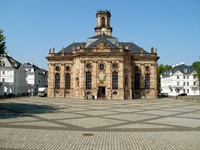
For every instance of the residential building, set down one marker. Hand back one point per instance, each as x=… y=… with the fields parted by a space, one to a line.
x=19 y=78
x=35 y=77
x=12 y=76
x=180 y=79
x=102 y=67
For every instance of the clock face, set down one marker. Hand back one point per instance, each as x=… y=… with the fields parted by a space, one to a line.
x=103 y=30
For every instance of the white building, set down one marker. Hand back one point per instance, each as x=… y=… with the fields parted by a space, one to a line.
x=179 y=79
x=35 y=77
x=12 y=76
x=19 y=78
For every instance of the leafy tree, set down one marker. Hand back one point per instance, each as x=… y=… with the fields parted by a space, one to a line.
x=2 y=43
x=160 y=69
x=196 y=65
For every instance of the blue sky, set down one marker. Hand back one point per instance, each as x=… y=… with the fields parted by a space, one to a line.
x=32 y=27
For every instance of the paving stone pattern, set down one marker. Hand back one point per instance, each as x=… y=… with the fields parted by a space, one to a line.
x=71 y=124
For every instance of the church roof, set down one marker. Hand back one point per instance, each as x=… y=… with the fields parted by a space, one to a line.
x=96 y=40
x=134 y=48
x=112 y=42
x=70 y=48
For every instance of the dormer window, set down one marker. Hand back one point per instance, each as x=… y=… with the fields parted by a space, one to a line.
x=185 y=70
x=126 y=47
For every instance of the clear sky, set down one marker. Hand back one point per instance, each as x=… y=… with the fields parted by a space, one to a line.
x=32 y=27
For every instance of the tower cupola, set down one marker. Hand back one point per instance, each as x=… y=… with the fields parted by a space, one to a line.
x=103 y=22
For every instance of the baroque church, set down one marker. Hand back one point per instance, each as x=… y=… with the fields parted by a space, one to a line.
x=102 y=67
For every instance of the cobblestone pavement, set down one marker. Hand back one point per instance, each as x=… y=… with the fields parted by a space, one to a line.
x=59 y=123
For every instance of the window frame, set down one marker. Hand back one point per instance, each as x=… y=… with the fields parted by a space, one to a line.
x=88 y=77
x=147 y=81
x=115 y=80
x=67 y=81
x=57 y=81
x=137 y=81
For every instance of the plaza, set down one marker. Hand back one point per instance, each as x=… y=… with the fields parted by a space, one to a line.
x=60 y=123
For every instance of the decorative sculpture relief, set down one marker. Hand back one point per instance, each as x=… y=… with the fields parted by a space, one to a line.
x=102 y=76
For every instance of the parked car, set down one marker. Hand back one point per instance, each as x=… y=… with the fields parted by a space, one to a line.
x=164 y=94
x=10 y=95
x=182 y=94
x=42 y=91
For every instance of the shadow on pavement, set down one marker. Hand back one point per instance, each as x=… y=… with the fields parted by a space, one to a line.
x=14 y=110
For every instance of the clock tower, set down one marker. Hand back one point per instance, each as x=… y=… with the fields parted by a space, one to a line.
x=103 y=23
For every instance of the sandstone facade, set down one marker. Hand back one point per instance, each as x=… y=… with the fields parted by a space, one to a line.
x=102 y=67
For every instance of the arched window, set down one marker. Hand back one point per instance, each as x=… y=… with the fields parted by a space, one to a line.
x=57 y=81
x=88 y=80
x=147 y=81
x=67 y=81
x=103 y=21
x=137 y=81
x=115 y=80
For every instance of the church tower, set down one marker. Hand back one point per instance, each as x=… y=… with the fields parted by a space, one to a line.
x=103 y=22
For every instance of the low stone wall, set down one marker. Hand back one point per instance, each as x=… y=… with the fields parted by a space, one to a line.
x=187 y=98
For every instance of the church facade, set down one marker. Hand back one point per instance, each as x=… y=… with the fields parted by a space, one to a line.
x=102 y=67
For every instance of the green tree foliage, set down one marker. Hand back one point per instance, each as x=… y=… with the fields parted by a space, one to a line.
x=160 y=69
x=196 y=65
x=2 y=42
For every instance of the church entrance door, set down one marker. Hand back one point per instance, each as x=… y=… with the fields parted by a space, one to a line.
x=101 y=92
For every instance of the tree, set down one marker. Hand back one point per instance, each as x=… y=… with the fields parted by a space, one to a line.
x=196 y=65
x=2 y=43
x=160 y=69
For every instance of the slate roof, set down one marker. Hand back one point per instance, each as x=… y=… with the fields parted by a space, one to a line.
x=69 y=48
x=182 y=68
x=30 y=65
x=13 y=62
x=96 y=40
x=134 y=48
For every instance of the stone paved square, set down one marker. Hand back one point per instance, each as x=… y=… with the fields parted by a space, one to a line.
x=91 y=122
x=186 y=122
x=70 y=124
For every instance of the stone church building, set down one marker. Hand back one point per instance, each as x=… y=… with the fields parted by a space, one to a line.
x=102 y=67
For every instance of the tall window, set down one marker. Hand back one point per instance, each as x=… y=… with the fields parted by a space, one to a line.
x=137 y=81
x=115 y=80
x=88 y=80
x=103 y=21
x=67 y=81
x=57 y=81
x=147 y=81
